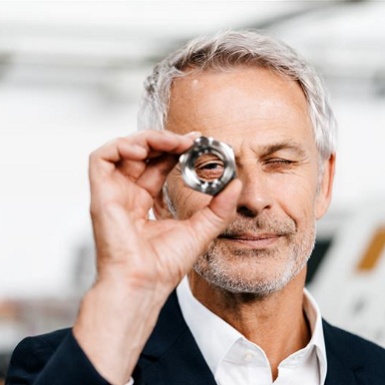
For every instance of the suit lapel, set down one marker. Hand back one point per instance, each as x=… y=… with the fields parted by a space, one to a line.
x=340 y=368
x=338 y=373
x=171 y=355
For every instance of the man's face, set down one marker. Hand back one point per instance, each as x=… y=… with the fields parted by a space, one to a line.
x=264 y=118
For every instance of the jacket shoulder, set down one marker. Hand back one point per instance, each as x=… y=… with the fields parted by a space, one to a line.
x=32 y=353
x=50 y=340
x=49 y=359
x=353 y=349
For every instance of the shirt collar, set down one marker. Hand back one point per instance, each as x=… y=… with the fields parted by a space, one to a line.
x=317 y=340
x=215 y=337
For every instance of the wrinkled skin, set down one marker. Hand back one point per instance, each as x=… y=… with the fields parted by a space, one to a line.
x=264 y=118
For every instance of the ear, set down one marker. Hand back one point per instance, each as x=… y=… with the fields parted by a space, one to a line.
x=160 y=208
x=325 y=194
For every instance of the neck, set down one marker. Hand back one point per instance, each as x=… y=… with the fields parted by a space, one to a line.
x=276 y=323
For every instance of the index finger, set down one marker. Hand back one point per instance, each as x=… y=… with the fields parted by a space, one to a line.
x=142 y=145
x=144 y=142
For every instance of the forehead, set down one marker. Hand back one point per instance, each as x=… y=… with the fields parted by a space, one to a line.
x=237 y=103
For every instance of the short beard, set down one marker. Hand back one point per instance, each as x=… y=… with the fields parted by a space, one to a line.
x=215 y=265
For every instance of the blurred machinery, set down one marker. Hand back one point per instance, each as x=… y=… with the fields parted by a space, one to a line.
x=349 y=283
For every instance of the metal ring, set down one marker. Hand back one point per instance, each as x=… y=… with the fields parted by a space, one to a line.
x=206 y=145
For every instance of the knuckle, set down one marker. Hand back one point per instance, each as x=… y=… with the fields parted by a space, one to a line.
x=120 y=141
x=92 y=157
x=93 y=209
x=141 y=134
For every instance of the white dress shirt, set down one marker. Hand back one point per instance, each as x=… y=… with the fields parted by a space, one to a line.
x=234 y=360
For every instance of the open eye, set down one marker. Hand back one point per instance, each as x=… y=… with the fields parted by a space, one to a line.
x=211 y=166
x=209 y=171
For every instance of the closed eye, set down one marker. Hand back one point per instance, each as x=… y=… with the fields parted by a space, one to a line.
x=279 y=161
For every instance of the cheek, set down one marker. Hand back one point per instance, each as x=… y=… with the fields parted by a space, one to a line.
x=295 y=195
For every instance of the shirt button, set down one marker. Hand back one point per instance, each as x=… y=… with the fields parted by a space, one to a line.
x=249 y=356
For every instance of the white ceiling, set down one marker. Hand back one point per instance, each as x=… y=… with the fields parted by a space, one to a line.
x=82 y=42
x=91 y=33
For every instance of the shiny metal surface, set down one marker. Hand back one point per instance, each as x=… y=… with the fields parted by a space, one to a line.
x=206 y=145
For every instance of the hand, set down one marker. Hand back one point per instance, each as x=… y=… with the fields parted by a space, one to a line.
x=139 y=261
x=125 y=176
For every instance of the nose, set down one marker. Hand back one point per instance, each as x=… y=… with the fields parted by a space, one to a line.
x=255 y=195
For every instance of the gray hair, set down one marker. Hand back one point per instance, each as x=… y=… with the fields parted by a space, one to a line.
x=225 y=51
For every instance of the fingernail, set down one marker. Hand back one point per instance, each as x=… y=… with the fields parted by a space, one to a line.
x=194 y=133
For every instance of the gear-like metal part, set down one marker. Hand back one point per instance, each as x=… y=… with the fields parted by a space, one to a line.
x=204 y=145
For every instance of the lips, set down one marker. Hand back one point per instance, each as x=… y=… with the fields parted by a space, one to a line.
x=253 y=241
x=251 y=237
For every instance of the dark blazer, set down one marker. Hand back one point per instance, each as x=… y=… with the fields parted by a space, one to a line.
x=172 y=357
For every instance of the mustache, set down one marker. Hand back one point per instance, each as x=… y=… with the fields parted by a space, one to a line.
x=260 y=225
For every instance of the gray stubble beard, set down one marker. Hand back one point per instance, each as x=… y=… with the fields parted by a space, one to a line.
x=212 y=267
x=215 y=266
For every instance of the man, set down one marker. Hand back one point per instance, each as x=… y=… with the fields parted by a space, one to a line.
x=241 y=315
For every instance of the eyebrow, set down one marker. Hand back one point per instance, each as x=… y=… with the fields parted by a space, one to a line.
x=287 y=145
x=269 y=149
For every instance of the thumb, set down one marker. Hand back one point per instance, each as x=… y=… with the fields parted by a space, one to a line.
x=208 y=223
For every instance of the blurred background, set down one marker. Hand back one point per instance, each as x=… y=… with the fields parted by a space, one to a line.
x=71 y=77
